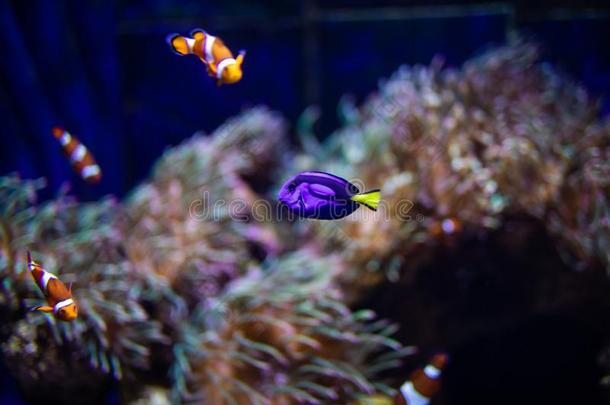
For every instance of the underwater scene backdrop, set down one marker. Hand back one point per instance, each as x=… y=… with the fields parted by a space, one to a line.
x=484 y=126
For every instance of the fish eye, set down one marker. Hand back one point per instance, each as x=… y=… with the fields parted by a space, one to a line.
x=292 y=187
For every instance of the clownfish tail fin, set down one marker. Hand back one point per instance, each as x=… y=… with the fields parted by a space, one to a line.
x=179 y=44
x=197 y=34
x=370 y=199
x=240 y=57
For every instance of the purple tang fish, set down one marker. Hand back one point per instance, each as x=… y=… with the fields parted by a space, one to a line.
x=322 y=195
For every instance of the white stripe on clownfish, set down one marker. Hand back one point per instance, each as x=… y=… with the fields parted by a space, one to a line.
x=223 y=64
x=46 y=277
x=90 y=171
x=208 y=44
x=190 y=42
x=413 y=397
x=62 y=304
x=432 y=371
x=79 y=153
x=65 y=139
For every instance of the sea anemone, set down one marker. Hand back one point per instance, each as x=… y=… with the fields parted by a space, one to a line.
x=285 y=337
x=80 y=244
x=463 y=149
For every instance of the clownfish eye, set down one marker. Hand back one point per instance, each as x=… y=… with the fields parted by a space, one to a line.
x=292 y=187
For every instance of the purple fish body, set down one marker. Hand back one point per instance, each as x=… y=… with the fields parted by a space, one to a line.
x=319 y=195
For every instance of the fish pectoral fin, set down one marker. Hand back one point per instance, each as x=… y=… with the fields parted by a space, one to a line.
x=322 y=191
x=370 y=199
x=43 y=308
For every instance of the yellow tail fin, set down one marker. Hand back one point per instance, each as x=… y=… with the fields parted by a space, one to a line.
x=178 y=44
x=370 y=199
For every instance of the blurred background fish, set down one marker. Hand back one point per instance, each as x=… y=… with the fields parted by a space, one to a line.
x=421 y=387
x=81 y=159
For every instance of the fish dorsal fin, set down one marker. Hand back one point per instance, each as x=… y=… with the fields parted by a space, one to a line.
x=197 y=34
x=370 y=199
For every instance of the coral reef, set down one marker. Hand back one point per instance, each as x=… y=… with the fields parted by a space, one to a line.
x=282 y=337
x=581 y=217
x=456 y=150
x=79 y=242
x=506 y=145
x=191 y=291
x=192 y=223
x=151 y=274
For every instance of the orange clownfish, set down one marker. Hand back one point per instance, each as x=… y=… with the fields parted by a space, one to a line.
x=82 y=160
x=58 y=296
x=419 y=389
x=213 y=52
x=424 y=383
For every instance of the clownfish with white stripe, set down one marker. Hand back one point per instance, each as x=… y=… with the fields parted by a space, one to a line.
x=82 y=160
x=213 y=53
x=59 y=297
x=423 y=384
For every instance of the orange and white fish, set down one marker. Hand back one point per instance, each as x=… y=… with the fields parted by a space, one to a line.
x=59 y=297
x=424 y=383
x=213 y=52
x=419 y=389
x=82 y=160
